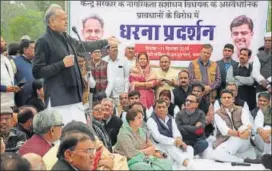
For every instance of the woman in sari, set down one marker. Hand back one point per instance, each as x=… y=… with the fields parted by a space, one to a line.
x=134 y=143
x=143 y=79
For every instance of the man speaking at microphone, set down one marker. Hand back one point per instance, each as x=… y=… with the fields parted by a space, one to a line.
x=56 y=61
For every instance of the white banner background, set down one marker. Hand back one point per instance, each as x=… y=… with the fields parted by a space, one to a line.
x=221 y=17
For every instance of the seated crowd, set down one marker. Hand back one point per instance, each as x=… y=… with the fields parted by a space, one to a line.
x=142 y=117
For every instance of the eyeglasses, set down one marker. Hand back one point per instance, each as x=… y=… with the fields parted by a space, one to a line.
x=90 y=151
x=190 y=101
x=98 y=109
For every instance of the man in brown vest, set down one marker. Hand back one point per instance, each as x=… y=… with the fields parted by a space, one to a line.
x=232 y=142
x=206 y=71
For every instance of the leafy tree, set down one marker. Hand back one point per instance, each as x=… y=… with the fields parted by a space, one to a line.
x=30 y=23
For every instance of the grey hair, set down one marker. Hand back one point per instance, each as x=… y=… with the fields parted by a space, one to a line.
x=232 y=84
x=44 y=120
x=51 y=12
x=108 y=99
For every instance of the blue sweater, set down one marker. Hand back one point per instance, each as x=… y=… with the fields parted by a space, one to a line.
x=24 y=71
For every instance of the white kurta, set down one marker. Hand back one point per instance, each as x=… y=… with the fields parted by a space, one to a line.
x=166 y=144
x=263 y=147
x=234 y=149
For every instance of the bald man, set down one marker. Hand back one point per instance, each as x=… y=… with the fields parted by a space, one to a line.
x=35 y=160
x=262 y=66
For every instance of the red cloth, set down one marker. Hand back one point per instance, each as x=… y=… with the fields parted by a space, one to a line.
x=97 y=158
x=36 y=144
x=199 y=131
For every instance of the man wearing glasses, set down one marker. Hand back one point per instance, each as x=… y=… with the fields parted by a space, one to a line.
x=76 y=152
x=47 y=126
x=241 y=29
x=191 y=123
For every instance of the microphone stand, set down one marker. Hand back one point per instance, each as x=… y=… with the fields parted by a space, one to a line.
x=90 y=95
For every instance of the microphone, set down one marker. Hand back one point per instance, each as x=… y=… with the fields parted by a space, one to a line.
x=76 y=32
x=239 y=164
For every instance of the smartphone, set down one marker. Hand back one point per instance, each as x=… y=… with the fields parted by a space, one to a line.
x=21 y=83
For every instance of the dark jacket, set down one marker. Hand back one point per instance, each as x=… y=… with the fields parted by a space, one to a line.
x=15 y=140
x=180 y=95
x=186 y=125
x=204 y=105
x=36 y=102
x=24 y=72
x=62 y=165
x=223 y=73
x=62 y=85
x=28 y=133
x=113 y=127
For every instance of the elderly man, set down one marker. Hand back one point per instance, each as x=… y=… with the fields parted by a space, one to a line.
x=106 y=162
x=56 y=61
x=118 y=73
x=262 y=65
x=167 y=74
x=191 y=123
x=8 y=87
x=262 y=123
x=47 y=126
x=12 y=138
x=35 y=161
x=206 y=71
x=112 y=122
x=232 y=142
x=76 y=152
x=242 y=75
x=124 y=104
x=130 y=55
x=180 y=93
x=166 y=136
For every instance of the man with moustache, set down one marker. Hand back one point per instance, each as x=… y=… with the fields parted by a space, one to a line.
x=224 y=65
x=167 y=74
x=241 y=74
x=241 y=33
x=12 y=138
x=262 y=65
x=8 y=87
x=206 y=71
x=180 y=93
x=99 y=71
x=56 y=62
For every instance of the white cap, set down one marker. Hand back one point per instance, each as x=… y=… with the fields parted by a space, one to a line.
x=268 y=34
x=25 y=37
x=129 y=45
